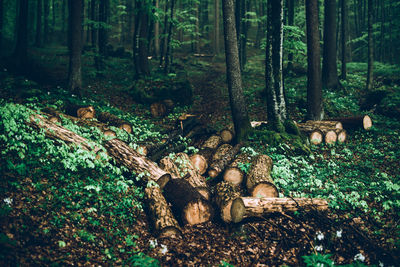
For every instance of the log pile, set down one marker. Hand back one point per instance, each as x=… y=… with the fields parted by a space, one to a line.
x=333 y=130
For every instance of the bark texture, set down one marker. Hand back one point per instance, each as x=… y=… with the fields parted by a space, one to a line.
x=259 y=181
x=225 y=194
x=329 y=63
x=370 y=73
x=219 y=165
x=21 y=46
x=363 y=121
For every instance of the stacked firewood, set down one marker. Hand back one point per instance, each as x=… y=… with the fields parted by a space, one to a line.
x=333 y=130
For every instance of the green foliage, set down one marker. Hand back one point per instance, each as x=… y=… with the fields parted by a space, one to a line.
x=318 y=260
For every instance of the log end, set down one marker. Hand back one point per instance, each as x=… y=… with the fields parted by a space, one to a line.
x=316 y=137
x=109 y=133
x=86 y=112
x=342 y=136
x=163 y=180
x=199 y=162
x=226 y=136
x=213 y=173
x=367 y=122
x=233 y=175
x=264 y=189
x=126 y=127
x=237 y=210
x=330 y=137
x=204 y=192
x=197 y=212
x=170 y=231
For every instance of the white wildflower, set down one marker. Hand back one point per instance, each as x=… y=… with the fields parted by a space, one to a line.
x=319 y=248
x=381 y=264
x=48 y=93
x=153 y=243
x=164 y=249
x=359 y=257
x=339 y=233
x=8 y=201
x=5 y=69
x=320 y=235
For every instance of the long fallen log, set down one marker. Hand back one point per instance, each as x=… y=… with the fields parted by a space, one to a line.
x=321 y=130
x=259 y=182
x=225 y=194
x=247 y=207
x=219 y=165
x=128 y=157
x=164 y=222
x=187 y=203
x=363 y=121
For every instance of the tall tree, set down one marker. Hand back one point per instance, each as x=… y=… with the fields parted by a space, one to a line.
x=370 y=73
x=38 y=39
x=140 y=47
x=93 y=17
x=157 y=33
x=343 y=74
x=21 y=47
x=216 y=27
x=1 y=24
x=314 y=83
x=46 y=28
x=276 y=102
x=75 y=46
x=290 y=8
x=240 y=115
x=168 y=51
x=102 y=38
x=329 y=63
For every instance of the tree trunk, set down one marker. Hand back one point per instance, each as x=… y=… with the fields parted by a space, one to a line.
x=276 y=103
x=248 y=207
x=219 y=165
x=187 y=203
x=113 y=120
x=1 y=25
x=290 y=23
x=168 y=51
x=164 y=222
x=225 y=194
x=63 y=15
x=75 y=48
x=259 y=182
x=204 y=17
x=216 y=27
x=314 y=83
x=329 y=64
x=46 y=28
x=128 y=157
x=163 y=38
x=370 y=74
x=21 y=48
x=156 y=34
x=93 y=16
x=364 y=122
x=240 y=115
x=344 y=39
x=38 y=39
x=143 y=62
x=102 y=39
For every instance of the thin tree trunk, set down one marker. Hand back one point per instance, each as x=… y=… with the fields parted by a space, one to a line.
x=75 y=46
x=168 y=54
x=1 y=25
x=329 y=64
x=240 y=115
x=290 y=4
x=314 y=83
x=156 y=34
x=93 y=17
x=102 y=38
x=204 y=17
x=21 y=47
x=163 y=38
x=46 y=13
x=344 y=39
x=382 y=37
x=370 y=74
x=216 y=27
x=38 y=41
x=63 y=15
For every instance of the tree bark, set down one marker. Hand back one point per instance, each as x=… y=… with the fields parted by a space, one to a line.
x=93 y=16
x=364 y=122
x=21 y=48
x=240 y=115
x=187 y=203
x=259 y=182
x=156 y=34
x=168 y=51
x=46 y=13
x=314 y=83
x=38 y=39
x=344 y=39
x=218 y=166
x=164 y=222
x=221 y=152
x=128 y=157
x=225 y=194
x=216 y=27
x=234 y=174
x=370 y=73
x=203 y=158
x=290 y=23
x=248 y=207
x=102 y=38
x=329 y=64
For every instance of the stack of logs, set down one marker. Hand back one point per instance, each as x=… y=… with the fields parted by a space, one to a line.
x=177 y=192
x=333 y=130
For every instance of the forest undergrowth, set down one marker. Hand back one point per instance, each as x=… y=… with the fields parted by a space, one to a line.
x=60 y=205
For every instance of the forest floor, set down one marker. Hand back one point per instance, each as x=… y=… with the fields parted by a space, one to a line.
x=36 y=231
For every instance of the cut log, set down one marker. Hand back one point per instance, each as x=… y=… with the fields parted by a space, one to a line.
x=110 y=133
x=57 y=133
x=341 y=135
x=234 y=174
x=187 y=203
x=316 y=137
x=226 y=135
x=331 y=124
x=79 y=111
x=363 y=121
x=330 y=136
x=320 y=130
x=202 y=159
x=164 y=222
x=128 y=157
x=212 y=142
x=158 y=109
x=259 y=182
x=219 y=165
x=225 y=194
x=247 y=207
x=113 y=120
x=168 y=165
x=221 y=151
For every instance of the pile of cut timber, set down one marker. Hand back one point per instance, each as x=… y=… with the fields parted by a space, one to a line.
x=333 y=130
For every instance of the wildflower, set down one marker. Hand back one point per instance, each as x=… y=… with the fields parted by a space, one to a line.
x=8 y=201
x=381 y=264
x=359 y=257
x=319 y=248
x=320 y=235
x=164 y=249
x=153 y=243
x=339 y=233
